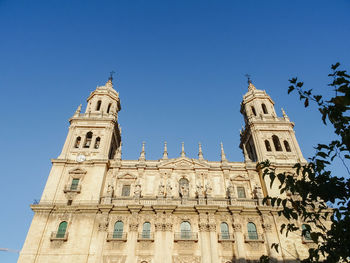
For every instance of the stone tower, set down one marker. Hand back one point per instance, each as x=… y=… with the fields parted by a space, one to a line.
x=265 y=135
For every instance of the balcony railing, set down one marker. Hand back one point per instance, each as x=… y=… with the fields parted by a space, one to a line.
x=116 y=236
x=74 y=189
x=253 y=237
x=57 y=236
x=145 y=236
x=186 y=236
x=222 y=237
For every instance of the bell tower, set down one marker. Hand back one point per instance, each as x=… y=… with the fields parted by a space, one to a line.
x=265 y=135
x=95 y=134
x=79 y=172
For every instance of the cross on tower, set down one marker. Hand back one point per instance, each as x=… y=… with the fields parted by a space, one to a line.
x=248 y=77
x=111 y=75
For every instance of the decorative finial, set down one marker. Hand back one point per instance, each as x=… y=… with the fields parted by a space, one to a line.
x=183 y=154
x=223 y=155
x=119 y=152
x=165 y=153
x=77 y=111
x=142 y=154
x=285 y=116
x=283 y=112
x=241 y=130
x=200 y=153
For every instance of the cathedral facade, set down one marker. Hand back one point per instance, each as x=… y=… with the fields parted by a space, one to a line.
x=97 y=207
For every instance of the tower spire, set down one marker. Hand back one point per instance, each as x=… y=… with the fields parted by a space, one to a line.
x=223 y=155
x=183 y=154
x=165 y=153
x=200 y=153
x=142 y=154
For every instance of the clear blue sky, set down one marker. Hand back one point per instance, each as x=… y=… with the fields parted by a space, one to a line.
x=180 y=74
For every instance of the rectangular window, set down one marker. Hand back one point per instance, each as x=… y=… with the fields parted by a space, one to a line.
x=241 y=192
x=126 y=190
x=74 y=185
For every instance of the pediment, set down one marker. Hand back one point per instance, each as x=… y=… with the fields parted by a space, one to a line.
x=127 y=176
x=77 y=171
x=183 y=163
x=239 y=178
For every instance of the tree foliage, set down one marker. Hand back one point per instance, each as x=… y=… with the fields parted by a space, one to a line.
x=313 y=194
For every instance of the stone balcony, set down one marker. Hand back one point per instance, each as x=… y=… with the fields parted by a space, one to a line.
x=145 y=236
x=254 y=238
x=226 y=237
x=112 y=236
x=56 y=236
x=70 y=189
x=149 y=201
x=186 y=236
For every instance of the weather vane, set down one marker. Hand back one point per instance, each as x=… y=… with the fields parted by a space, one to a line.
x=248 y=77
x=111 y=75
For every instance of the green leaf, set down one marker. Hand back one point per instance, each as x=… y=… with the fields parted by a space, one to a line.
x=290 y=89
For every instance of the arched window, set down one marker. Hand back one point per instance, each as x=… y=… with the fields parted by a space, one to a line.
x=97 y=143
x=185 y=230
x=98 y=105
x=253 y=110
x=77 y=142
x=61 y=232
x=277 y=143
x=88 y=139
x=109 y=107
x=286 y=146
x=263 y=106
x=118 y=229
x=146 y=230
x=224 y=231
x=268 y=146
x=252 y=233
x=183 y=187
x=306 y=233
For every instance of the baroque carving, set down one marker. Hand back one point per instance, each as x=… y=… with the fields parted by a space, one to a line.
x=103 y=224
x=186 y=259
x=237 y=227
x=133 y=226
x=203 y=227
x=212 y=227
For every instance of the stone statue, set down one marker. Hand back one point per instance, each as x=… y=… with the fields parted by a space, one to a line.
x=208 y=189
x=137 y=191
x=183 y=191
x=110 y=190
x=230 y=191
x=200 y=190
x=257 y=192
x=161 y=189
x=169 y=189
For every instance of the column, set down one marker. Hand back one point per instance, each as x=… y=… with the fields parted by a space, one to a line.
x=213 y=243
x=131 y=243
x=158 y=243
x=169 y=238
x=239 y=241
x=132 y=235
x=271 y=237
